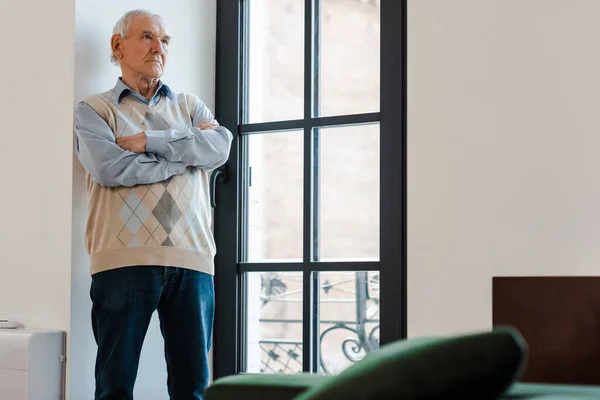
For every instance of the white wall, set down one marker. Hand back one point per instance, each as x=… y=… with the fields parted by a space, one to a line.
x=35 y=159
x=191 y=68
x=503 y=143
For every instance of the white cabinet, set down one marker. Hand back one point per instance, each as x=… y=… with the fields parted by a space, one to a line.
x=32 y=364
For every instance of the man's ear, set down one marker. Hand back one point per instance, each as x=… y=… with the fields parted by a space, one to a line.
x=115 y=44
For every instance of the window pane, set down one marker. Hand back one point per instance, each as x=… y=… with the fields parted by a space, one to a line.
x=349 y=193
x=349 y=320
x=349 y=57
x=276 y=60
x=275 y=196
x=274 y=310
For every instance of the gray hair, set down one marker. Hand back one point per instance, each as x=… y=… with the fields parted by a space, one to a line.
x=123 y=26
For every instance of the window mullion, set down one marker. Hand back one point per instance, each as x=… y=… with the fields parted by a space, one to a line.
x=316 y=185
x=309 y=300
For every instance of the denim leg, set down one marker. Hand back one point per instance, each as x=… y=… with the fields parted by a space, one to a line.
x=123 y=301
x=186 y=313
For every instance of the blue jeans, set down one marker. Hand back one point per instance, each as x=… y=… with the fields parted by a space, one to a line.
x=123 y=301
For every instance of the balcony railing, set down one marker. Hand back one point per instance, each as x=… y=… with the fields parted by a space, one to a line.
x=351 y=339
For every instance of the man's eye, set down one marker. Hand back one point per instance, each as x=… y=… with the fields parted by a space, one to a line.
x=147 y=37
x=165 y=41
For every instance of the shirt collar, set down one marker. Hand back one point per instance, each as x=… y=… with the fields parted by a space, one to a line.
x=121 y=90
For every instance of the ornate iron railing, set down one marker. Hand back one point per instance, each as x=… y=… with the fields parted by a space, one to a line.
x=279 y=355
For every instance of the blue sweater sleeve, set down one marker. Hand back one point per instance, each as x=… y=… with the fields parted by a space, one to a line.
x=110 y=165
x=207 y=149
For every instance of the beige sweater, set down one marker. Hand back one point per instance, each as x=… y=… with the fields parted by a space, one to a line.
x=164 y=223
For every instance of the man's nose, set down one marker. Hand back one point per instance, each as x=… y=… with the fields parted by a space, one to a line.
x=157 y=46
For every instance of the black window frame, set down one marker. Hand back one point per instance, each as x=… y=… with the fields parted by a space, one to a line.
x=229 y=330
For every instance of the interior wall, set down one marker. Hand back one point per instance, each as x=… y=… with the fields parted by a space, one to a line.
x=35 y=160
x=190 y=68
x=502 y=151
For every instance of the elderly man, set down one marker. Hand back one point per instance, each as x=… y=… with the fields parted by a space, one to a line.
x=148 y=153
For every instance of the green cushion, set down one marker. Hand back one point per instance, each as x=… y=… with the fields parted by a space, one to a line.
x=262 y=386
x=551 y=391
x=480 y=366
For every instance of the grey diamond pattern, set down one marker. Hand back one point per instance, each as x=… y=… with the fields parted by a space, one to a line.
x=167 y=212
x=134 y=224
x=142 y=212
x=134 y=213
x=132 y=200
x=125 y=213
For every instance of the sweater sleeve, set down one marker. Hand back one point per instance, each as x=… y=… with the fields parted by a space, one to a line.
x=110 y=165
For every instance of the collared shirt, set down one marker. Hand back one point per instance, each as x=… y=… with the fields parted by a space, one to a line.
x=122 y=90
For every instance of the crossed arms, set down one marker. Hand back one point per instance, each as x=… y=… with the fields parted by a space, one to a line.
x=150 y=156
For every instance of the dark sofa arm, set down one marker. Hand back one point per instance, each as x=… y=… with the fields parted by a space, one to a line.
x=520 y=391
x=262 y=386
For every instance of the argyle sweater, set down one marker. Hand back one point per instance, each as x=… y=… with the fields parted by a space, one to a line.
x=149 y=208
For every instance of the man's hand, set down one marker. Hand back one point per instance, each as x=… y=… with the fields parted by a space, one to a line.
x=207 y=125
x=135 y=143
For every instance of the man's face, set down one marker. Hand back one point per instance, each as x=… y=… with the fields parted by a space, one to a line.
x=144 y=51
